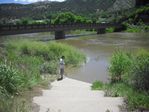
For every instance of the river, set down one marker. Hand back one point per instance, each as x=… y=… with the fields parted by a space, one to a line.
x=98 y=49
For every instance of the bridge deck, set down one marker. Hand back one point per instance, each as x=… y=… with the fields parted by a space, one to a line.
x=20 y=29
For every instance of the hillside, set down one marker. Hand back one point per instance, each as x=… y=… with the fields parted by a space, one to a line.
x=82 y=7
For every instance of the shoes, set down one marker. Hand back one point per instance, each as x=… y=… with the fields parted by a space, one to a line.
x=60 y=79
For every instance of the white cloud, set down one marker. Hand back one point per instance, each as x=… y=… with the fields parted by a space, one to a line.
x=31 y=1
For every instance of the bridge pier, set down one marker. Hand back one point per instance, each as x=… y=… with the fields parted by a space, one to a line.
x=101 y=31
x=59 y=35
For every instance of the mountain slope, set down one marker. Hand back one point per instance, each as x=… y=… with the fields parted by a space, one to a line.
x=83 y=7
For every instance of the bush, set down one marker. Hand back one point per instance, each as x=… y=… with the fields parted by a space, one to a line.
x=32 y=58
x=132 y=68
x=24 y=21
x=110 y=30
x=69 y=18
x=120 y=65
x=9 y=78
x=48 y=53
x=28 y=60
x=49 y=67
x=133 y=99
x=140 y=73
x=97 y=85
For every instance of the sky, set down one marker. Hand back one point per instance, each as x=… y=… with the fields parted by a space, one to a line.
x=24 y=1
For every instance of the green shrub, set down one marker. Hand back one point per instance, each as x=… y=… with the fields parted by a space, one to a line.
x=133 y=30
x=140 y=73
x=29 y=66
x=110 y=30
x=49 y=67
x=120 y=65
x=132 y=68
x=9 y=78
x=133 y=99
x=69 y=18
x=32 y=58
x=72 y=56
x=28 y=60
x=137 y=100
x=117 y=89
x=97 y=85
x=49 y=51
x=14 y=104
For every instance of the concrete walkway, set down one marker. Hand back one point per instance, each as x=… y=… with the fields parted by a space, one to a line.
x=69 y=95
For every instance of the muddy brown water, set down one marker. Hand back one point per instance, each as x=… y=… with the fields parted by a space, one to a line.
x=98 y=49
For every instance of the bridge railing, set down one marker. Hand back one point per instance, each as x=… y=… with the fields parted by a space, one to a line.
x=54 y=27
x=34 y=26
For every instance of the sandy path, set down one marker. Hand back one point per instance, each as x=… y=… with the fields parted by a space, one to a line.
x=69 y=95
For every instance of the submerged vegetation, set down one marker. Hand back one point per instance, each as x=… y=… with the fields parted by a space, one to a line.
x=24 y=62
x=129 y=79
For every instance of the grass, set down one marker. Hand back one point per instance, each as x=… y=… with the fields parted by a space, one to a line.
x=76 y=32
x=134 y=99
x=47 y=51
x=29 y=60
x=110 y=30
x=133 y=70
x=136 y=28
x=97 y=85
x=120 y=65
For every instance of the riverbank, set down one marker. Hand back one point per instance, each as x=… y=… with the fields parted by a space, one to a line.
x=128 y=79
x=98 y=48
x=22 y=65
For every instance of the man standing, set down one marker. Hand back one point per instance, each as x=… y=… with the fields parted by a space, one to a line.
x=62 y=65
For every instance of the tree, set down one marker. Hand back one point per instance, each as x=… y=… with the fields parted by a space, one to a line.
x=68 y=18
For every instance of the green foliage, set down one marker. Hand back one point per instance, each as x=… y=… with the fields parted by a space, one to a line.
x=29 y=69
x=49 y=51
x=131 y=69
x=117 y=89
x=134 y=22
x=33 y=58
x=131 y=74
x=68 y=18
x=133 y=99
x=137 y=100
x=9 y=79
x=133 y=29
x=140 y=72
x=140 y=27
x=30 y=59
x=120 y=65
x=39 y=22
x=97 y=85
x=46 y=10
x=142 y=9
x=64 y=18
x=110 y=30
x=14 y=104
x=49 y=67
x=72 y=56
x=24 y=21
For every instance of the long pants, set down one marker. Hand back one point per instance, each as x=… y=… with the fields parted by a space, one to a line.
x=61 y=72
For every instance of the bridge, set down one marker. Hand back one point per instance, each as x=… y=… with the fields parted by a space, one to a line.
x=59 y=29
